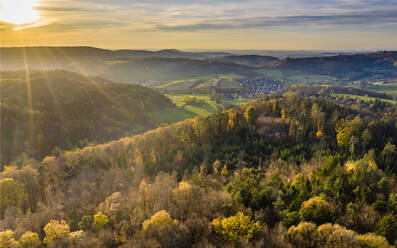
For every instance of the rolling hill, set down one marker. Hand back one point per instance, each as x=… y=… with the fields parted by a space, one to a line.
x=169 y=53
x=167 y=69
x=255 y=61
x=128 y=66
x=14 y=57
x=41 y=110
x=349 y=67
x=264 y=174
x=160 y=67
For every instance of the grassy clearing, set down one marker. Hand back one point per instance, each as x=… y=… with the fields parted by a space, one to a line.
x=294 y=77
x=390 y=89
x=171 y=115
x=239 y=101
x=364 y=98
x=198 y=110
x=205 y=81
x=184 y=111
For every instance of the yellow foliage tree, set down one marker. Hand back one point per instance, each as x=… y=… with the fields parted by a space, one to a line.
x=216 y=166
x=250 y=115
x=29 y=240
x=183 y=196
x=224 y=171
x=236 y=228
x=232 y=119
x=55 y=230
x=159 y=219
x=283 y=114
x=7 y=239
x=308 y=235
x=12 y=194
x=183 y=189
x=100 y=221
x=372 y=240
x=316 y=210
x=303 y=235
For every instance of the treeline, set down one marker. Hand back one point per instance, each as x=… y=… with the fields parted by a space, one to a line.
x=348 y=67
x=377 y=106
x=127 y=66
x=43 y=110
x=318 y=90
x=281 y=172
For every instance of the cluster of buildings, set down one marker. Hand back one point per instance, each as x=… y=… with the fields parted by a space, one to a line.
x=256 y=87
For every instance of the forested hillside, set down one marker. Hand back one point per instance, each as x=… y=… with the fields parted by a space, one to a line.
x=164 y=69
x=348 y=67
x=281 y=172
x=127 y=66
x=248 y=60
x=43 y=110
x=15 y=57
x=139 y=66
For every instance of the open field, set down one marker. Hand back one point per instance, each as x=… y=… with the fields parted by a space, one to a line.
x=192 y=105
x=364 y=98
x=230 y=80
x=172 y=115
x=294 y=77
x=201 y=82
x=186 y=83
x=388 y=88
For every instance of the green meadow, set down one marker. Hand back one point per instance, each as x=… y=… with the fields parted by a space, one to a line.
x=388 y=88
x=184 y=109
x=364 y=98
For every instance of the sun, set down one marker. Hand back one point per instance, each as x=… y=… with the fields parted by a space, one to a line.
x=18 y=12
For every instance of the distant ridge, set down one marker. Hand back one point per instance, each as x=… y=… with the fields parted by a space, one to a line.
x=139 y=66
x=383 y=63
x=82 y=51
x=247 y=60
x=128 y=66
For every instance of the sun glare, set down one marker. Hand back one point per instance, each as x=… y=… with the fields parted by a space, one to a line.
x=18 y=12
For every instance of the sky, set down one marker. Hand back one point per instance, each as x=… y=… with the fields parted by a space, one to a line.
x=201 y=24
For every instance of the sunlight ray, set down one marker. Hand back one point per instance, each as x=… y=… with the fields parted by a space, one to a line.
x=50 y=89
x=82 y=71
x=29 y=95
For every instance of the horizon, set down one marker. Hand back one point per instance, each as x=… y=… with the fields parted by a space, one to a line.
x=198 y=123
x=370 y=50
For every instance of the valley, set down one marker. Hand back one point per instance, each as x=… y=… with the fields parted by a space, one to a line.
x=129 y=148
x=198 y=124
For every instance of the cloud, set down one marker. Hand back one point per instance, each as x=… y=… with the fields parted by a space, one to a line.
x=186 y=21
x=59 y=9
x=365 y=18
x=196 y=15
